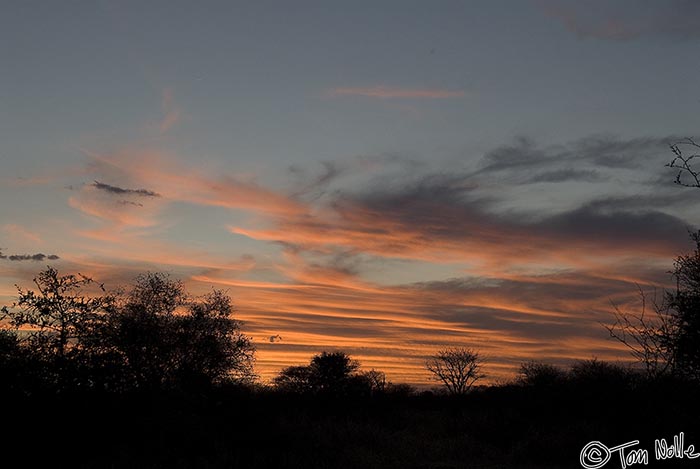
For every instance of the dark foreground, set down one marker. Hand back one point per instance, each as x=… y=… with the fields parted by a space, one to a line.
x=500 y=427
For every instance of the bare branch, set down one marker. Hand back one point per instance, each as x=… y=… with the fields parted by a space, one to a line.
x=686 y=175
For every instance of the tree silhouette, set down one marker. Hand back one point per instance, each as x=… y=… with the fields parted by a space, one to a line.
x=540 y=374
x=668 y=340
x=330 y=373
x=153 y=336
x=56 y=320
x=684 y=304
x=650 y=336
x=170 y=340
x=294 y=379
x=457 y=368
x=59 y=313
x=376 y=380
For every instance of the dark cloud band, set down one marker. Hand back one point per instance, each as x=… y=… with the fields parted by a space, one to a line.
x=29 y=257
x=121 y=191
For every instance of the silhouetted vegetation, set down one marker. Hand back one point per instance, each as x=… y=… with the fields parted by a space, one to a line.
x=667 y=340
x=330 y=374
x=149 y=376
x=456 y=368
x=152 y=336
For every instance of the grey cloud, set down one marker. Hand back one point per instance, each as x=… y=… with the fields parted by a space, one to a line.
x=317 y=184
x=523 y=155
x=121 y=191
x=313 y=184
x=616 y=227
x=627 y=20
x=29 y=257
x=555 y=292
x=569 y=175
x=129 y=202
x=450 y=208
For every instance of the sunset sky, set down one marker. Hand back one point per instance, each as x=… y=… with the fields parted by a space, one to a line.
x=386 y=178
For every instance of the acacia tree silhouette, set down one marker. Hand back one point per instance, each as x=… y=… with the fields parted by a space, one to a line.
x=456 y=368
x=330 y=374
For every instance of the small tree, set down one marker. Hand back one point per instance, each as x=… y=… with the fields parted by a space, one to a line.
x=375 y=379
x=330 y=373
x=294 y=379
x=59 y=313
x=457 y=368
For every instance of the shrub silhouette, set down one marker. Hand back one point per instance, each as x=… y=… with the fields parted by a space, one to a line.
x=600 y=374
x=540 y=375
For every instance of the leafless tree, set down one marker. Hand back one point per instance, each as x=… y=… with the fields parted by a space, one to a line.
x=686 y=176
x=650 y=336
x=457 y=368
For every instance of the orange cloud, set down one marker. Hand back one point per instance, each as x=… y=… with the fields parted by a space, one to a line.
x=20 y=233
x=394 y=328
x=164 y=174
x=171 y=112
x=386 y=92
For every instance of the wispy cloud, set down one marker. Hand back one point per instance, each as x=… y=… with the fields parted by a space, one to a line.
x=171 y=112
x=551 y=317
x=388 y=92
x=517 y=282
x=19 y=232
x=627 y=19
x=164 y=174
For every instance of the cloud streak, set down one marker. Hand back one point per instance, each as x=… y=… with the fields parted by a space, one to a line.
x=388 y=92
x=29 y=257
x=171 y=112
x=627 y=20
x=121 y=191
